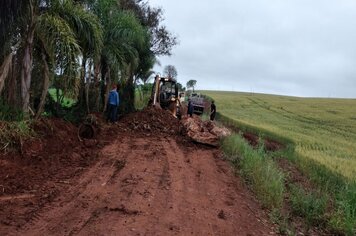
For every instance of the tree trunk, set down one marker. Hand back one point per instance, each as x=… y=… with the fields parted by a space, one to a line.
x=5 y=69
x=27 y=63
x=97 y=86
x=12 y=86
x=87 y=87
x=45 y=86
x=108 y=84
x=128 y=100
x=81 y=95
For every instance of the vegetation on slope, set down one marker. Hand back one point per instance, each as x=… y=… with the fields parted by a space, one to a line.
x=323 y=130
x=317 y=134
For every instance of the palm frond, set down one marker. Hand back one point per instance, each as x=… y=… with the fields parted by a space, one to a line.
x=86 y=26
x=62 y=47
x=57 y=35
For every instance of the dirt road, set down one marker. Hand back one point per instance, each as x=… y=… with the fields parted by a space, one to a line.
x=139 y=177
x=152 y=186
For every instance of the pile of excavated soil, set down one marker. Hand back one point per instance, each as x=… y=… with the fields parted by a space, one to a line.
x=205 y=132
x=58 y=153
x=155 y=121
x=35 y=173
x=151 y=120
x=42 y=157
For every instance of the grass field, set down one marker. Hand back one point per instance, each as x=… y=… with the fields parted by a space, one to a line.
x=322 y=129
x=67 y=102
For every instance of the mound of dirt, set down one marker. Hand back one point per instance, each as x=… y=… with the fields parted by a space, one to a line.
x=39 y=169
x=205 y=132
x=55 y=151
x=151 y=120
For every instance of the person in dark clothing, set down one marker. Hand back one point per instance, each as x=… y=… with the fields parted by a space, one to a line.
x=212 y=111
x=113 y=103
x=190 y=108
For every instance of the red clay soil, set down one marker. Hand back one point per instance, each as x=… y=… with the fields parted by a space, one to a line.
x=294 y=175
x=269 y=144
x=137 y=178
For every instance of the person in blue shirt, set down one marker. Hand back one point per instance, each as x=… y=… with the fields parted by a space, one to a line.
x=113 y=103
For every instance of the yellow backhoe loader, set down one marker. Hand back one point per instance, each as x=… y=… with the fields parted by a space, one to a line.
x=165 y=95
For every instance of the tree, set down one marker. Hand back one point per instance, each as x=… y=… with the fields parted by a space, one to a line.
x=124 y=57
x=87 y=39
x=161 y=40
x=180 y=87
x=191 y=84
x=78 y=46
x=50 y=32
x=170 y=71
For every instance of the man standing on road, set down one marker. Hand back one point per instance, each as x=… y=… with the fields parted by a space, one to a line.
x=212 y=110
x=190 y=108
x=113 y=103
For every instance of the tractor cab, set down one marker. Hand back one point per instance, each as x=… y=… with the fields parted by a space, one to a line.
x=165 y=93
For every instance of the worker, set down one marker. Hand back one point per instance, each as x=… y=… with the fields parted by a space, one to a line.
x=212 y=110
x=190 y=108
x=113 y=103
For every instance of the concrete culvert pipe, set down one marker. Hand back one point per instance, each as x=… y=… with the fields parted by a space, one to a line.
x=86 y=131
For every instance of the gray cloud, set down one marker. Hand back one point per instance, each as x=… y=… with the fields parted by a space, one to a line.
x=294 y=47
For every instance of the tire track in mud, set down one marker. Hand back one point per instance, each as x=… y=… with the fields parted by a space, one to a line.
x=153 y=186
x=74 y=208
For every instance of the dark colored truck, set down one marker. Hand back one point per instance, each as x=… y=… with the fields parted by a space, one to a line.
x=198 y=102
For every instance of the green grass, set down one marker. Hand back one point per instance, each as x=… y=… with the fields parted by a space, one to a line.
x=264 y=177
x=323 y=130
x=67 y=102
x=142 y=95
x=319 y=135
x=310 y=205
x=141 y=99
x=13 y=133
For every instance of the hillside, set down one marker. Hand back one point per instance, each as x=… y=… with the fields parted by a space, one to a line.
x=322 y=129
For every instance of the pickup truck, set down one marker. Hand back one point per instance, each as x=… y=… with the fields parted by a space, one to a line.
x=198 y=103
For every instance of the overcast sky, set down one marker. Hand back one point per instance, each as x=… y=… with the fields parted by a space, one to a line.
x=289 y=47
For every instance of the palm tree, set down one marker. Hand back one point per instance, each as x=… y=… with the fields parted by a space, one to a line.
x=55 y=31
x=10 y=12
x=10 y=16
x=52 y=37
x=123 y=38
x=62 y=30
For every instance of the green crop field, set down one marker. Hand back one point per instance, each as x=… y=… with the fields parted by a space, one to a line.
x=322 y=129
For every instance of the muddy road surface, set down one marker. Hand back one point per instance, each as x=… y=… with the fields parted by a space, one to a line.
x=137 y=184
x=152 y=186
